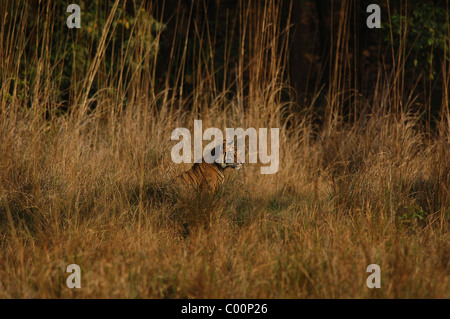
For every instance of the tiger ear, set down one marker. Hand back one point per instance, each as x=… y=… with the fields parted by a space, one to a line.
x=227 y=144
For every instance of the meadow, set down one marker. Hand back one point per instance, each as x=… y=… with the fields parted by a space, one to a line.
x=85 y=175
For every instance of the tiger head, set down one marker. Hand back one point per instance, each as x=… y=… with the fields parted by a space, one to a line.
x=229 y=157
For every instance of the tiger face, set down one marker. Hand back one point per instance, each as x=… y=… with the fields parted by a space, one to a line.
x=229 y=156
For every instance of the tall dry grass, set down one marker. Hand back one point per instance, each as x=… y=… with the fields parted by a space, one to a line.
x=89 y=186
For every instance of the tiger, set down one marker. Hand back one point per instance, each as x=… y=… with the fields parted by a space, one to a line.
x=208 y=177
